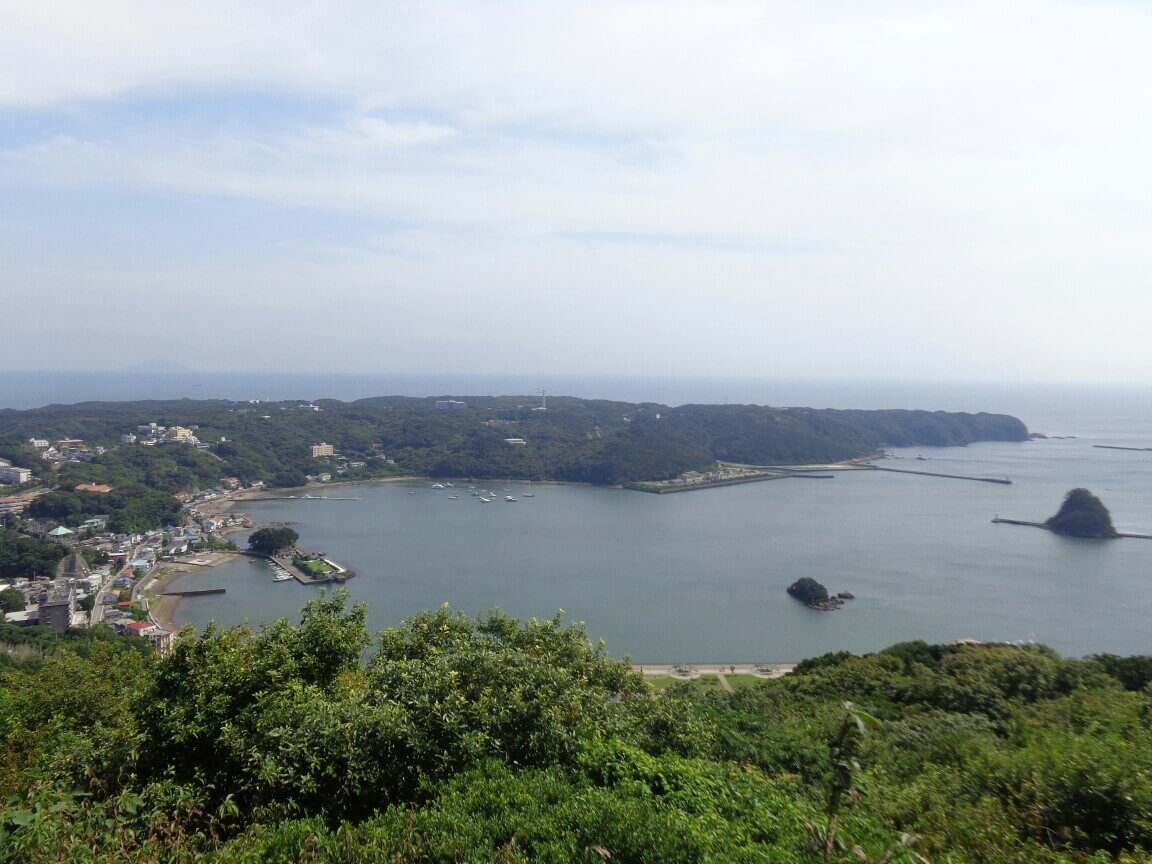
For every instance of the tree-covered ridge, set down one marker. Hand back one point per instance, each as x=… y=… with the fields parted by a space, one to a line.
x=496 y=740
x=588 y=440
x=1082 y=514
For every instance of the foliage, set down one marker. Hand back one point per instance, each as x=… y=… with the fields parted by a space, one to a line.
x=595 y=441
x=272 y=539
x=131 y=508
x=492 y=739
x=11 y=600
x=1082 y=515
x=22 y=556
x=808 y=591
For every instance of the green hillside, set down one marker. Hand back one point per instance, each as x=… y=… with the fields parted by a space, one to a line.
x=494 y=740
x=589 y=440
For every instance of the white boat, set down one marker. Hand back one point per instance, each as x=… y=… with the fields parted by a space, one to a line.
x=528 y=493
x=449 y=485
x=453 y=497
x=437 y=485
x=485 y=500
x=509 y=499
x=282 y=576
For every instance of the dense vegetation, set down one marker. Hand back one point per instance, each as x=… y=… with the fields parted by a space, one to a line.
x=1083 y=515
x=130 y=508
x=596 y=441
x=27 y=556
x=272 y=539
x=808 y=591
x=494 y=740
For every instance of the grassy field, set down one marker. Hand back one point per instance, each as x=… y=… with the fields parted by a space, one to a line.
x=706 y=682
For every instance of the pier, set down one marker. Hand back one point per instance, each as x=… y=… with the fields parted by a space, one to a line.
x=197 y=592
x=1117 y=447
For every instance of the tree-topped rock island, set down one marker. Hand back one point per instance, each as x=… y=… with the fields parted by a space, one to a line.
x=1083 y=515
x=814 y=595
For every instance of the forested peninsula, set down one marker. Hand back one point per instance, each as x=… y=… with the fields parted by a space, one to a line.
x=584 y=440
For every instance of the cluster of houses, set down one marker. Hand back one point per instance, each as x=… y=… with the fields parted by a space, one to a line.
x=151 y=434
x=58 y=602
x=77 y=595
x=339 y=463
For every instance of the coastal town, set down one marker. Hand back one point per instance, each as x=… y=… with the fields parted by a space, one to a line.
x=111 y=577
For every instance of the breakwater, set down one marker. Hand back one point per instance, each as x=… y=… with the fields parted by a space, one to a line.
x=669 y=487
x=196 y=592
x=1004 y=481
x=1131 y=536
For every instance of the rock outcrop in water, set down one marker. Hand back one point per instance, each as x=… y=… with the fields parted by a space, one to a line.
x=1083 y=515
x=814 y=595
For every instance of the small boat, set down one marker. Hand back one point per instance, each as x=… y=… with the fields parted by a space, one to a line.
x=437 y=485
x=410 y=492
x=528 y=493
x=485 y=500
x=453 y=497
x=509 y=499
x=449 y=485
x=474 y=494
x=282 y=576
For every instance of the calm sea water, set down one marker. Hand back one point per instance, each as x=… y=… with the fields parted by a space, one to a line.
x=700 y=576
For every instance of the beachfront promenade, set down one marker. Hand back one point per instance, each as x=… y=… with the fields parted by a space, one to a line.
x=688 y=671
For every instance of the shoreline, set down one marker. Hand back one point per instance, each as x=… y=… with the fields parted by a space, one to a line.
x=165 y=607
x=692 y=671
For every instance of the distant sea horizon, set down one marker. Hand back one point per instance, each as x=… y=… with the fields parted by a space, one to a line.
x=1046 y=407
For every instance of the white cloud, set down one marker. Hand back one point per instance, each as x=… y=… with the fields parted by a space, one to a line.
x=949 y=183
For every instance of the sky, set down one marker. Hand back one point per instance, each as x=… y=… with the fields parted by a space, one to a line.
x=856 y=189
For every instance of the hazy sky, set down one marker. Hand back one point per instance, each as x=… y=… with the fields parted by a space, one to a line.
x=955 y=190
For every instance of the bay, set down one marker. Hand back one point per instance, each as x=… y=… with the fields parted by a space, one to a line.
x=701 y=576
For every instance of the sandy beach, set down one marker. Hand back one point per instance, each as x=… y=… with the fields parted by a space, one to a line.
x=163 y=610
x=689 y=672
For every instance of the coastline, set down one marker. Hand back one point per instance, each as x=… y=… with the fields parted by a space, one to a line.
x=165 y=607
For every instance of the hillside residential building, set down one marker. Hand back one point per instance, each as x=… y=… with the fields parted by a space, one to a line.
x=57 y=609
x=17 y=503
x=160 y=638
x=322 y=449
x=10 y=474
